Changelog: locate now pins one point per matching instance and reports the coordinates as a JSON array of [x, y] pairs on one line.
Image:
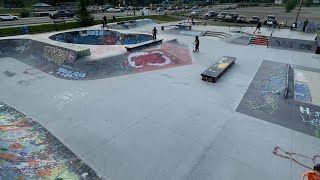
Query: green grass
[[33, 29], [15, 12]]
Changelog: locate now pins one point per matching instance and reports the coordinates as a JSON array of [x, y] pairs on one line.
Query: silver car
[[221, 15], [6, 17]]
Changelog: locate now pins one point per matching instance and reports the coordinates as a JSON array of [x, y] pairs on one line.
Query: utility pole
[[299, 10]]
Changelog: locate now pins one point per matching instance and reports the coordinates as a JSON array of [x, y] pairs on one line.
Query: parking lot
[[312, 13]]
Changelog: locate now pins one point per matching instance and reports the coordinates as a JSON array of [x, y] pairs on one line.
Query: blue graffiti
[[302, 92], [275, 83]]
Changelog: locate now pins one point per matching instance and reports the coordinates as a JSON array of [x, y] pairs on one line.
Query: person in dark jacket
[[104, 21], [258, 28], [196, 44], [305, 24], [154, 33]]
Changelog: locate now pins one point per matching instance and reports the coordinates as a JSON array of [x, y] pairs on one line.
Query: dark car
[[254, 19], [270, 18], [61, 14], [210, 14]]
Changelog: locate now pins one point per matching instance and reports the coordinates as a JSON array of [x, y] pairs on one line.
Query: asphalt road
[[43, 20]]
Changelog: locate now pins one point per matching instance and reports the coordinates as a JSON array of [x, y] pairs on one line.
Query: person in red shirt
[[312, 175]]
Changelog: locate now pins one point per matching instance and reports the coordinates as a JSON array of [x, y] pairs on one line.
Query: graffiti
[[155, 58], [290, 44], [294, 156], [312, 119], [56, 55], [22, 45], [28, 82], [70, 73], [62, 99], [302, 92], [266, 103], [275, 83], [9, 73], [91, 33], [193, 33], [84, 53], [134, 41], [29, 151]]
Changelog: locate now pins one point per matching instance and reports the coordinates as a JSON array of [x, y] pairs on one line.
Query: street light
[[299, 10]]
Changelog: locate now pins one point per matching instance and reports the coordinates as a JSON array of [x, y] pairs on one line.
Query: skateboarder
[[258, 28], [154, 33], [196, 44], [312, 175]]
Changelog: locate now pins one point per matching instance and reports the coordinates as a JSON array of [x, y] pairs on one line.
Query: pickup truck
[[61, 14]]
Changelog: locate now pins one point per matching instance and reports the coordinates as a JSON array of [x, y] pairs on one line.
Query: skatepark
[[79, 104]]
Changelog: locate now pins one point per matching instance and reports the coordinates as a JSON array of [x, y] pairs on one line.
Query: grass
[[34, 29], [15, 11]]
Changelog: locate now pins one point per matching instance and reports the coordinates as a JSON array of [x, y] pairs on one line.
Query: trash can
[[24, 30]]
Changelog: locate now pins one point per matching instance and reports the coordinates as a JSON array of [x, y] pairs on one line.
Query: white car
[[4, 17], [195, 13]]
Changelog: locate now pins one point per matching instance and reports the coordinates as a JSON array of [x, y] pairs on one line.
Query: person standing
[[258, 28], [312, 175], [196, 44], [114, 18], [305, 24], [105, 21], [154, 33]]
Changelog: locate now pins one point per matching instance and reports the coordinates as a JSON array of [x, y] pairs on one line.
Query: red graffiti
[[108, 40], [154, 58]]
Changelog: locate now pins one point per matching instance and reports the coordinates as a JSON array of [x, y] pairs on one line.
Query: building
[[278, 1]]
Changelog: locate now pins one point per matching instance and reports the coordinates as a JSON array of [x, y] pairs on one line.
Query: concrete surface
[[166, 124]]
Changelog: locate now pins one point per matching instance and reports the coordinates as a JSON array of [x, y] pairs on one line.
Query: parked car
[[241, 19], [270, 18], [210, 14], [177, 8], [195, 13], [231, 17], [61, 14], [159, 9], [195, 7], [187, 7], [221, 15], [6, 17], [254, 19]]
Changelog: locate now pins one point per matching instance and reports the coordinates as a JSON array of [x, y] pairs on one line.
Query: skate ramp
[[63, 63], [100, 37], [309, 46], [131, 24]]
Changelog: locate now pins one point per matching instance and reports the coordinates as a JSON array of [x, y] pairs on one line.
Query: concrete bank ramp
[[309, 46]]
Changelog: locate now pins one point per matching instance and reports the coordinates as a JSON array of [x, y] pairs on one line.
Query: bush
[[308, 3], [290, 5], [24, 13]]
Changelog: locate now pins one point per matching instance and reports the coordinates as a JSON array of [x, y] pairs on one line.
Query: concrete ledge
[[144, 44]]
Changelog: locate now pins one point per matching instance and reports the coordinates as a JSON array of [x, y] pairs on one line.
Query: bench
[[214, 72], [144, 44]]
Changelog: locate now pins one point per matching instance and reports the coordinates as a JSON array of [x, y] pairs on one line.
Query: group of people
[[105, 21], [196, 41]]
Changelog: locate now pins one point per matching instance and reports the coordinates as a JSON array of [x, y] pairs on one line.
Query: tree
[[86, 19], [308, 3], [290, 5]]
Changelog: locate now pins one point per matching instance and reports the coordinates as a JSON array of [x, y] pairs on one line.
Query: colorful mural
[[28, 151]]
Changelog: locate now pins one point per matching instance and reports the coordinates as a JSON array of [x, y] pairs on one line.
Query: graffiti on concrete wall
[[68, 72], [22, 45], [265, 103], [57, 55], [29, 151], [290, 44], [275, 82], [64, 98], [312, 118]]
